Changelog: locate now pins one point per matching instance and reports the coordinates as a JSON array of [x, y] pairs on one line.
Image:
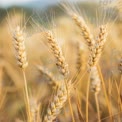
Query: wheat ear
[[60, 60], [84, 29], [96, 50], [58, 102], [20, 53]]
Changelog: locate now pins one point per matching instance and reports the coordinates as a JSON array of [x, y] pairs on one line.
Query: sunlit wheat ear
[[52, 81], [120, 66], [57, 103], [34, 108], [84, 29], [18, 40], [96, 50], [95, 80], [60, 60]]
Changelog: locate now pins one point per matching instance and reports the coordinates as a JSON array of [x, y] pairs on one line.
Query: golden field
[[73, 68]]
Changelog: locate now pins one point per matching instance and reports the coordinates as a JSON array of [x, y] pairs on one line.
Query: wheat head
[[18, 39], [84, 29], [58, 102], [96, 50], [60, 60]]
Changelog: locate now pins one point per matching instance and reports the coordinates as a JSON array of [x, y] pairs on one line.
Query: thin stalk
[[119, 102], [97, 106], [120, 84], [87, 101], [26, 97], [114, 115], [69, 101], [109, 95], [105, 93], [79, 107]]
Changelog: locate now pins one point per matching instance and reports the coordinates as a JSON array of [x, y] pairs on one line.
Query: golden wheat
[[96, 50], [58, 102], [88, 37], [61, 64], [18, 39]]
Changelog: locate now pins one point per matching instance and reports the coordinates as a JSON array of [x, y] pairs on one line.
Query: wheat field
[[63, 65]]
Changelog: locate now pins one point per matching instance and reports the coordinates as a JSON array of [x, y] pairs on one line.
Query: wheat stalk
[[1, 77], [20, 53], [35, 109]]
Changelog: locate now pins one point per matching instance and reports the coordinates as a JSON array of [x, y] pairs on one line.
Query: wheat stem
[[97, 105], [105, 93], [87, 100], [26, 97], [69, 101]]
